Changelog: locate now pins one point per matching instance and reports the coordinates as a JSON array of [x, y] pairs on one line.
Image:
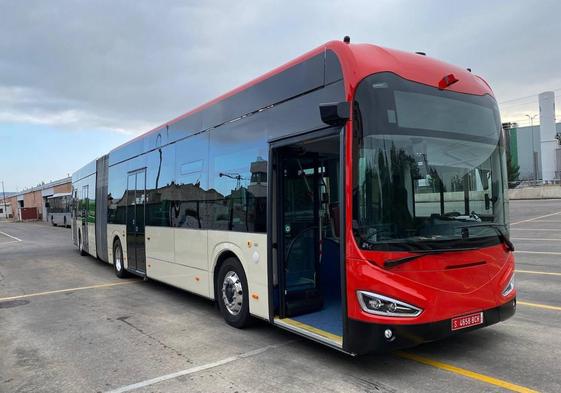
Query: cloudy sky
[[77, 78]]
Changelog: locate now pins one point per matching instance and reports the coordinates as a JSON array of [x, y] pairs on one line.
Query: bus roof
[[334, 60]]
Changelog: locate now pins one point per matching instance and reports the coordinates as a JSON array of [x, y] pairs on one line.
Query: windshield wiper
[[420, 254], [497, 227]]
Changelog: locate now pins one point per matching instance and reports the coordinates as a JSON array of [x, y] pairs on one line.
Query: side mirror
[[335, 113]]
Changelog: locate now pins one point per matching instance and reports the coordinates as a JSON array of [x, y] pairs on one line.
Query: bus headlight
[[374, 303], [509, 287]]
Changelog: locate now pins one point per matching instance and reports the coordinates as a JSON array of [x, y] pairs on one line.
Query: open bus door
[[308, 267]]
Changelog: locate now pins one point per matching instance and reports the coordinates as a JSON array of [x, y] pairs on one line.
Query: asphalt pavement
[[67, 324]]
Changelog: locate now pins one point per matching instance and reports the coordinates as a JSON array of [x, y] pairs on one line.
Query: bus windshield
[[428, 167]]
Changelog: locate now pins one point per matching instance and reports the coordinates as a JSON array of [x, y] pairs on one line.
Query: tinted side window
[[116, 198], [238, 176], [160, 186], [191, 189]]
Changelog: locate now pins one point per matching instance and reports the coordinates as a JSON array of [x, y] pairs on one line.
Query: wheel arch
[[113, 236], [115, 239], [222, 256]]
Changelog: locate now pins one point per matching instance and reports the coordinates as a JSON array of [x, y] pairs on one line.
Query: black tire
[[119, 265], [229, 288], [81, 245], [65, 222]]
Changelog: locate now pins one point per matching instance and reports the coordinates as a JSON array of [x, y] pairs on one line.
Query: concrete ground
[[148, 337]]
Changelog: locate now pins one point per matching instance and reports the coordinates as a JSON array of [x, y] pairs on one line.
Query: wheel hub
[[232, 293], [118, 259]]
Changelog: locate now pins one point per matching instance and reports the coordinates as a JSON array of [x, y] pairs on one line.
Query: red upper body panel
[[360, 60]]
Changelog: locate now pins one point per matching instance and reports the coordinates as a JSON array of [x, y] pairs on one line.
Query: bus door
[[305, 236], [136, 199], [84, 212], [74, 210]]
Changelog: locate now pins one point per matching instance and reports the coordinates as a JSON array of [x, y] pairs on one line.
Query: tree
[[513, 171]]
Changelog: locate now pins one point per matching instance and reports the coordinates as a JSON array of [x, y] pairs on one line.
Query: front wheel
[[232, 294], [118, 263]]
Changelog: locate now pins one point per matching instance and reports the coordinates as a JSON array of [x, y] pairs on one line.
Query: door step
[[310, 331], [138, 273]]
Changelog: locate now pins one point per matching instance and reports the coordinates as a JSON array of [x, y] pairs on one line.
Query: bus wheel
[[232, 294], [81, 244], [65, 222], [118, 263]]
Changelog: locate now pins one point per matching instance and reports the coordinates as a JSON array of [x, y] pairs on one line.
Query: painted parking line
[[544, 306], [536, 239], [11, 237], [10, 242], [535, 218], [466, 373], [537, 252], [536, 272], [197, 369], [549, 221], [535, 229], [111, 284]]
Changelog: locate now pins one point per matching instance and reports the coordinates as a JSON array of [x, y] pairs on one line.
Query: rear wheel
[[118, 262], [232, 294], [81, 244]]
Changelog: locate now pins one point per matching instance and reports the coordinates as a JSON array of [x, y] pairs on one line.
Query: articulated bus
[[58, 209], [355, 196]]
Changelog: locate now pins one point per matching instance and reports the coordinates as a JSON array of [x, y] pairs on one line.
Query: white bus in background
[[58, 209]]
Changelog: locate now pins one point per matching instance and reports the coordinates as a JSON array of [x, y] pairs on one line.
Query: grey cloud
[[129, 65]]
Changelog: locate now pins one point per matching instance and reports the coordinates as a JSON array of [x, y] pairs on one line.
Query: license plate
[[467, 321]]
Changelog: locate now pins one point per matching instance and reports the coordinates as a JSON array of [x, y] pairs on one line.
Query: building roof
[[44, 186]]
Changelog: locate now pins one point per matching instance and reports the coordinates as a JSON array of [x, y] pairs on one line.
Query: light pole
[[4, 198], [534, 161]]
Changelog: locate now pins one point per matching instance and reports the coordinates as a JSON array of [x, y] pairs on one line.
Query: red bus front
[[427, 251]]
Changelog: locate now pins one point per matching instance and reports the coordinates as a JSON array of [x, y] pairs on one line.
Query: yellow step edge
[[311, 329]]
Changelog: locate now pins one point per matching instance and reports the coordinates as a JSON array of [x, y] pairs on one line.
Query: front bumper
[[365, 337]]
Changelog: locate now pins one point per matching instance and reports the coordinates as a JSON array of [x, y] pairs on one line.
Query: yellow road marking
[[112, 284], [535, 272], [466, 373], [546, 306], [323, 333]]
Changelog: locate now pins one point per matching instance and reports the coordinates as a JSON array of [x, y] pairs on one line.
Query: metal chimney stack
[[547, 135]]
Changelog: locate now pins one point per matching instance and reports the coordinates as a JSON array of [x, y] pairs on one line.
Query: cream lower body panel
[[187, 258], [180, 276], [177, 256], [191, 248], [91, 239]]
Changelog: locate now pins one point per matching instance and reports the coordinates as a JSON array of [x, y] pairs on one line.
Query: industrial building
[[535, 149], [30, 204]]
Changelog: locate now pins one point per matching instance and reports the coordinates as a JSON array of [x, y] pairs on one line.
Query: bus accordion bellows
[[355, 196]]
